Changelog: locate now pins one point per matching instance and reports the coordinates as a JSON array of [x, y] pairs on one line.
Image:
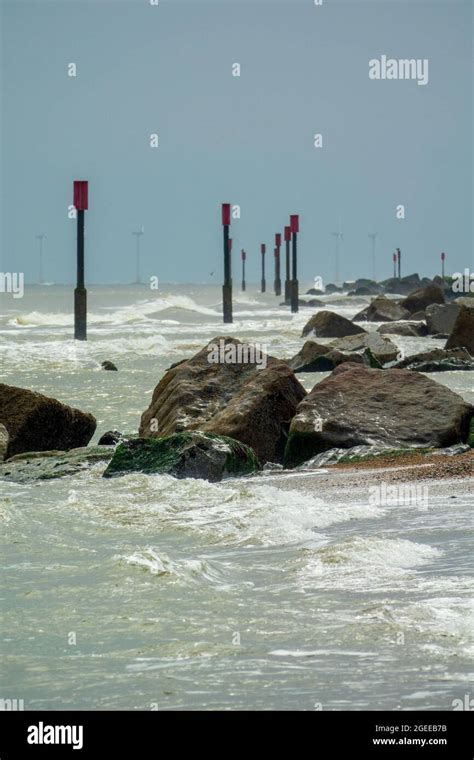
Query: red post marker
[[263, 249], [294, 228], [443, 259], [227, 287], [81, 203], [287, 236]]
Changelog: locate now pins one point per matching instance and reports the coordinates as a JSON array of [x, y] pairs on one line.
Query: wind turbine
[[138, 234], [40, 237], [372, 236]]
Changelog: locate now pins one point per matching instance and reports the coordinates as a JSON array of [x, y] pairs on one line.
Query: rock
[[252, 405], [314, 292], [404, 286], [408, 329], [3, 442], [462, 334], [314, 357], [369, 359], [110, 438], [440, 336], [301, 302], [259, 414], [49, 465], [440, 318], [444, 365], [328, 324], [381, 347], [382, 309], [470, 438], [357, 406], [184, 455], [418, 316], [39, 423], [331, 288], [465, 301], [110, 366], [435, 355], [420, 299]]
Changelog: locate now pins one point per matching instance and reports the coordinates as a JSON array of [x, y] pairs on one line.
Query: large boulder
[[420, 299], [440, 318], [184, 455], [315, 357], [462, 334], [328, 324], [357, 406], [382, 309], [39, 423], [35, 466], [227, 394], [407, 329], [381, 347]]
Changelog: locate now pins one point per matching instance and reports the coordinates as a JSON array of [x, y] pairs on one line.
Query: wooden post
[[399, 258], [244, 256], [227, 287], [81, 203], [394, 264], [287, 263], [443, 259], [294, 228], [263, 248], [277, 284]]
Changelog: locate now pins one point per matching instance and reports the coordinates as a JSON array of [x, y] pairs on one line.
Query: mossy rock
[[184, 455], [49, 465]]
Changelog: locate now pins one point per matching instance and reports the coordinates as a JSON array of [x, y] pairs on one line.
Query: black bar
[[263, 284], [227, 288], [287, 272], [80, 293], [277, 283], [294, 275]]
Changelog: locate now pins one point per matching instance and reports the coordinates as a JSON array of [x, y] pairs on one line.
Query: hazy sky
[[247, 140]]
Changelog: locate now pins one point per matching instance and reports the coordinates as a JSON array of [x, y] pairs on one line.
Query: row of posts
[[291, 264], [81, 203]]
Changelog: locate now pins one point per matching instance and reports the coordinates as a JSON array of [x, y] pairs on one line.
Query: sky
[[167, 69]]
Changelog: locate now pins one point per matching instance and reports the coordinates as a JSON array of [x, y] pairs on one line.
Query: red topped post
[[294, 229], [81, 203], [287, 237], [227, 287]]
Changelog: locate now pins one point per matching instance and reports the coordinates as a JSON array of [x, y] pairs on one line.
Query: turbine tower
[[40, 237], [138, 234]]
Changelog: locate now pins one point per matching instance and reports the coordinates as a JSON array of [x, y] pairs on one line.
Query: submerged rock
[[328, 324], [49, 465], [39, 423], [109, 366], [184, 455], [110, 438], [462, 334], [357, 406], [435, 356]]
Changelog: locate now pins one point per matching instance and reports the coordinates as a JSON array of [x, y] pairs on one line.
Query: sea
[[268, 592]]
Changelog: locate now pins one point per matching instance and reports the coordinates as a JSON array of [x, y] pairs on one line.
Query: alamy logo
[[42, 734], [405, 495], [12, 282], [463, 283], [237, 353], [11, 705], [463, 704], [403, 68]]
